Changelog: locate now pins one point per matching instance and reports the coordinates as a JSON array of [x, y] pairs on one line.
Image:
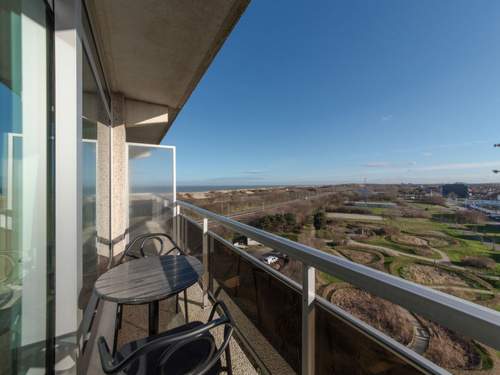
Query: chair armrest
[[225, 310], [107, 361], [175, 246]]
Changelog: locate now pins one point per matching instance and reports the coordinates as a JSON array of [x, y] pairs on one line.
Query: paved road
[[445, 259], [421, 337], [391, 252]]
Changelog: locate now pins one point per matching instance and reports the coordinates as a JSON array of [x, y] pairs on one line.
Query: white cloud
[[386, 117], [385, 164], [377, 164], [432, 167], [254, 171], [455, 166], [427, 154]]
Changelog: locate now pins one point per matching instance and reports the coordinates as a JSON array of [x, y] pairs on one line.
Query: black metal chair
[[188, 349], [130, 252], [129, 249]]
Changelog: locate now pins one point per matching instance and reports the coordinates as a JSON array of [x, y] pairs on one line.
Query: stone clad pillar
[[102, 193], [119, 177]]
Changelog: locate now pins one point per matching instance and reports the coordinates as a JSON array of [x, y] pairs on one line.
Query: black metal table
[[149, 280]]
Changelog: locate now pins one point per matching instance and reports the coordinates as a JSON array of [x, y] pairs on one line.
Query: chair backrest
[[136, 248], [167, 347], [87, 320], [168, 361]]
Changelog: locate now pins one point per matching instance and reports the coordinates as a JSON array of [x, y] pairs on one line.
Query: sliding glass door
[[26, 188]]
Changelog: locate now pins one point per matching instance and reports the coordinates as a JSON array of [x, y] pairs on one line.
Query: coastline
[[223, 188]]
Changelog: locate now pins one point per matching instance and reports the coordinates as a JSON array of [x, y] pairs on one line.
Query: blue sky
[[343, 91]]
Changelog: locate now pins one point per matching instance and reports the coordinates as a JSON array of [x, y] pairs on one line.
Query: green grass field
[[459, 246], [378, 211], [430, 208], [382, 241]]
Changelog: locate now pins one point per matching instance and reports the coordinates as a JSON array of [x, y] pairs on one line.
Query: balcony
[[279, 328], [90, 88]]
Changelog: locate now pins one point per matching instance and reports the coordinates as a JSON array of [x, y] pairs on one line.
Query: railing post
[[308, 318], [177, 222], [174, 218], [184, 234], [174, 222], [205, 263]]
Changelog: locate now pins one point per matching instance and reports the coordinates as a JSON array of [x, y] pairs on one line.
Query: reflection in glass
[[95, 184], [193, 236], [265, 309], [150, 174], [338, 342], [26, 187]]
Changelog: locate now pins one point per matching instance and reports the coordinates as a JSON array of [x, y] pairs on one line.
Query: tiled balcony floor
[[135, 324]]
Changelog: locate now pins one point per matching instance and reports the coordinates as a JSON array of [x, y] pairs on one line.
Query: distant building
[[458, 189]]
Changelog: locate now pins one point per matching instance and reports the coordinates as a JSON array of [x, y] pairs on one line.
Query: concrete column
[[119, 176], [103, 170]]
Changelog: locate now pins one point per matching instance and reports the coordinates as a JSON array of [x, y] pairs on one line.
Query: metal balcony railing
[[309, 333]]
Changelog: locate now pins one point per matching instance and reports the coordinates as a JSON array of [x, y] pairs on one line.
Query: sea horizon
[[205, 188]]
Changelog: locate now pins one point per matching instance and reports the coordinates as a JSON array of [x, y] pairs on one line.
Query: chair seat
[[181, 362]]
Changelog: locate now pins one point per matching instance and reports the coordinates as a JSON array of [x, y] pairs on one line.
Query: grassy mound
[[387, 317]]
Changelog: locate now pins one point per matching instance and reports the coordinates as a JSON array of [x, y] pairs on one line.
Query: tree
[[470, 217], [265, 223], [290, 220], [319, 220], [436, 200]]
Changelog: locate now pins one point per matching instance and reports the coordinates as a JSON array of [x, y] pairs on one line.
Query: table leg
[[154, 310]]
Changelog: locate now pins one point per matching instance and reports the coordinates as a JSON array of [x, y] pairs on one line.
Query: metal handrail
[[466, 318], [382, 339], [389, 343]]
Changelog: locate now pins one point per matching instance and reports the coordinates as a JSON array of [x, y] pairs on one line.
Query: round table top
[[148, 279]]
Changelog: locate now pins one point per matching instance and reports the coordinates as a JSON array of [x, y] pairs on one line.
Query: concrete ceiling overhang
[[156, 52]]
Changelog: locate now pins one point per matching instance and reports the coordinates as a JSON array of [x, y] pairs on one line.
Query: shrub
[[388, 231], [479, 262], [277, 223], [462, 217], [470, 217], [349, 210], [319, 220], [436, 200]]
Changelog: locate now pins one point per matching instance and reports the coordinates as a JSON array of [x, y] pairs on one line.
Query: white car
[[270, 259]]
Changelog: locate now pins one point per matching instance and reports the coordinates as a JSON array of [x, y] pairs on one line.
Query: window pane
[[96, 239], [150, 175], [26, 219], [338, 343], [266, 310]]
